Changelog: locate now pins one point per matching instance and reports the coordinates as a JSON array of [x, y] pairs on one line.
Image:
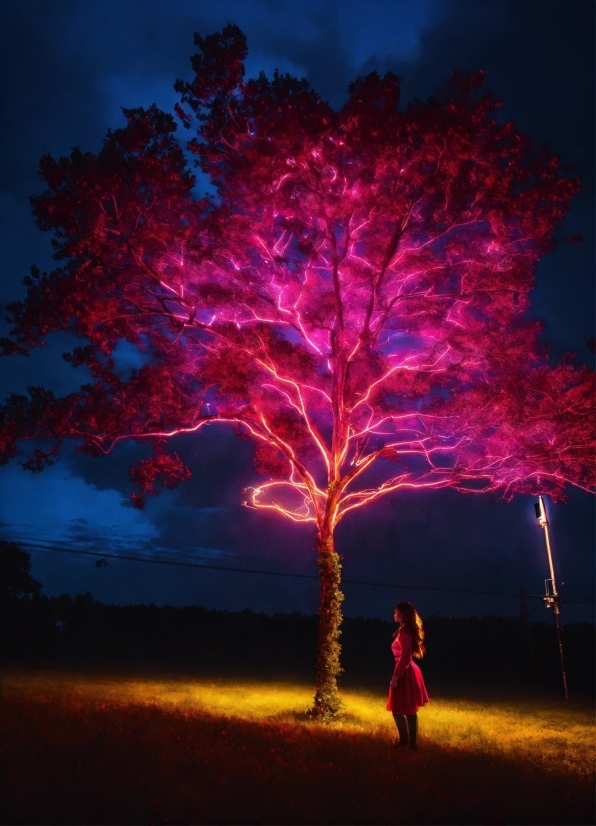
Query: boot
[[402, 728], [413, 730]]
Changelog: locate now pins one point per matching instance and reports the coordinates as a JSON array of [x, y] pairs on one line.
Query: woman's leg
[[413, 729], [402, 728]]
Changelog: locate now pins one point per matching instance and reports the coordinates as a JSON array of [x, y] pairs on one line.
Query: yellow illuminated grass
[[99, 749], [545, 733]]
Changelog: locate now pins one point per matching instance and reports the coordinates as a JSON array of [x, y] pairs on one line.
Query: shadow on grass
[[67, 758]]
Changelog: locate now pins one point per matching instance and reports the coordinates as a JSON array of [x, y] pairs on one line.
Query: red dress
[[410, 693]]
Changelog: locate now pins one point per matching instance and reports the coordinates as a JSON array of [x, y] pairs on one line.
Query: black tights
[[407, 727]]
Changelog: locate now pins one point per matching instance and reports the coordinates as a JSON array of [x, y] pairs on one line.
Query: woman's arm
[[405, 658]]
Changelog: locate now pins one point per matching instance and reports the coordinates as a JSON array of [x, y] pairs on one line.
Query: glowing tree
[[353, 298]]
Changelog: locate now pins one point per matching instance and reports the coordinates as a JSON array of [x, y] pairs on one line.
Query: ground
[[100, 748]]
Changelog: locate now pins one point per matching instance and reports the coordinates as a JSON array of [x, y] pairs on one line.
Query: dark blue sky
[[66, 68]]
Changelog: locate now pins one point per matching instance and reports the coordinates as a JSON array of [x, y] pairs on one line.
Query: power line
[[157, 561]]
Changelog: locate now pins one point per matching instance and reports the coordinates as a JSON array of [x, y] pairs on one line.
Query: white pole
[[544, 523], [554, 599]]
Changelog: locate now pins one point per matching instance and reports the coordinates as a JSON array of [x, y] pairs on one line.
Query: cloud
[[42, 507]]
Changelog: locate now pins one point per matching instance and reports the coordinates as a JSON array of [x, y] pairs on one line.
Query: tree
[[353, 298], [16, 581]]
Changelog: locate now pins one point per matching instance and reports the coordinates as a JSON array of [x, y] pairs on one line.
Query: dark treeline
[[84, 633]]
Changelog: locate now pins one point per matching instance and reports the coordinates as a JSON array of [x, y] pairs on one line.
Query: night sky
[[66, 68]]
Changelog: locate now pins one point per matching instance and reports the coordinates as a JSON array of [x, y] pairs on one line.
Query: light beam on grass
[[538, 731]]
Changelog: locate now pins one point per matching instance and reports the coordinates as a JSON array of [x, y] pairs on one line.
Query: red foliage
[[354, 297], [168, 468]]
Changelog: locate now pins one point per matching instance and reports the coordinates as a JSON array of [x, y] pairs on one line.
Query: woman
[[407, 692]]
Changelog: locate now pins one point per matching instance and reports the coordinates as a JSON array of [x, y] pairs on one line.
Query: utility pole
[[523, 610], [551, 597]]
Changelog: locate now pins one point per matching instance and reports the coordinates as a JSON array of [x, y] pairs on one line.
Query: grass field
[[78, 748]]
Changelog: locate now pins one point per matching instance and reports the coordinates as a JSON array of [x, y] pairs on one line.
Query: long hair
[[412, 624]]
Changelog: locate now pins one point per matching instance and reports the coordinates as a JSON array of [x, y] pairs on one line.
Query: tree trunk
[[327, 702]]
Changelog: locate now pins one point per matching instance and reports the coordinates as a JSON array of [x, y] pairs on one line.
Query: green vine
[[327, 703]]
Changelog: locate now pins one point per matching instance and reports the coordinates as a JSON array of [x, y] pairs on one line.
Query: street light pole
[[551, 598]]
